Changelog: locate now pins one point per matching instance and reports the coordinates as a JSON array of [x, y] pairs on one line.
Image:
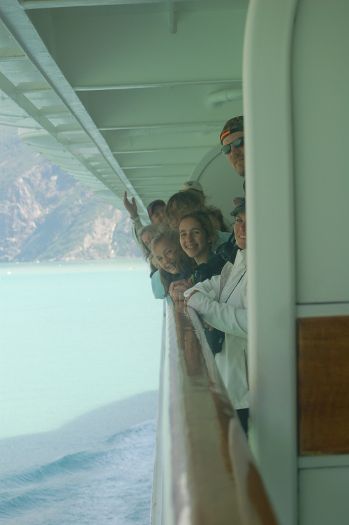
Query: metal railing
[[204, 472]]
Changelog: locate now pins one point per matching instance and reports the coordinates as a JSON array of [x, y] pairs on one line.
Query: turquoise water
[[74, 337]]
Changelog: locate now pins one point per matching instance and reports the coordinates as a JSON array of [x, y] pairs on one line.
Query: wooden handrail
[[204, 469]]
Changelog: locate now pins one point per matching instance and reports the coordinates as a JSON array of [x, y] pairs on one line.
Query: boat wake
[[107, 483]]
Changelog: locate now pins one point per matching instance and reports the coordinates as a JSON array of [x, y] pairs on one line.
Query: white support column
[[271, 252]]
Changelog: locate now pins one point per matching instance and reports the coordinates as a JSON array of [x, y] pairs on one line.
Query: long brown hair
[[183, 262], [203, 219]]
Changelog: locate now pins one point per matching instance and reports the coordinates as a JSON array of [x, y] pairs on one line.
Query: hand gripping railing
[[204, 472]]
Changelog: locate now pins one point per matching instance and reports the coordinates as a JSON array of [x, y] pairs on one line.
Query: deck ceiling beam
[[15, 124], [187, 126], [119, 87], [32, 111], [159, 166], [156, 138], [63, 4], [11, 56], [156, 150], [59, 4], [33, 87]]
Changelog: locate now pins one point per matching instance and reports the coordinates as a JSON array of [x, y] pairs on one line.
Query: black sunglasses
[[237, 143]]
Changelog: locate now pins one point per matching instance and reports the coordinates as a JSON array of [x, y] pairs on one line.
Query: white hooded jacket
[[222, 302]]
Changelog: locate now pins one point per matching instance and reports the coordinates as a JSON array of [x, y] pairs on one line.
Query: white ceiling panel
[[132, 94]]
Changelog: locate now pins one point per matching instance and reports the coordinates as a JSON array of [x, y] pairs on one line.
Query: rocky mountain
[[46, 215]]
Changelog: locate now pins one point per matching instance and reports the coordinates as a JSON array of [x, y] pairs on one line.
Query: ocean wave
[[28, 500], [109, 483], [67, 464], [135, 430], [82, 460]]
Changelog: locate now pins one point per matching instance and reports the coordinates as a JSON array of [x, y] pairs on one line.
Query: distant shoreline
[[118, 415], [130, 263]]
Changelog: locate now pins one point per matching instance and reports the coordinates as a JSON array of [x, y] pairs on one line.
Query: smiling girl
[[173, 263], [196, 236]]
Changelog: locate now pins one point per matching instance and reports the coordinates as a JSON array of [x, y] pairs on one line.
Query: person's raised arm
[[131, 206]]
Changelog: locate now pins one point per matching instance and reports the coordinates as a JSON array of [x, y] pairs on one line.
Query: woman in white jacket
[[222, 303]]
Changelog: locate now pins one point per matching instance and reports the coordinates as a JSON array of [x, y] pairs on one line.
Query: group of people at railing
[[194, 258]]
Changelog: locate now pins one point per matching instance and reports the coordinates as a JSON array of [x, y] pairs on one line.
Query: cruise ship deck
[[130, 95]]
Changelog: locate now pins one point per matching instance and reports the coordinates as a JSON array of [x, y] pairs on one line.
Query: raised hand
[[131, 206]]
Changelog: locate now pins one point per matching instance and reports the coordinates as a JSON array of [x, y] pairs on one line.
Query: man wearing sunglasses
[[232, 140]]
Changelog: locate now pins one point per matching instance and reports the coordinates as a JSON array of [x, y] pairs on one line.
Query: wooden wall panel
[[323, 385]]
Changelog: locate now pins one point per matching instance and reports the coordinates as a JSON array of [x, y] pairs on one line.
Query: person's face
[[194, 240], [236, 157], [158, 215], [240, 230], [166, 256], [146, 238]]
